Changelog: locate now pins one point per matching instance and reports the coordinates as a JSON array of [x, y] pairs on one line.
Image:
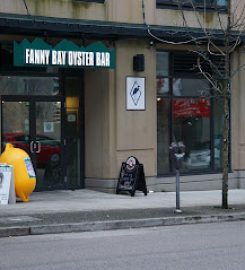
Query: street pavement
[[64, 211]]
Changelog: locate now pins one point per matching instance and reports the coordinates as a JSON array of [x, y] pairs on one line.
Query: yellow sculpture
[[24, 174]]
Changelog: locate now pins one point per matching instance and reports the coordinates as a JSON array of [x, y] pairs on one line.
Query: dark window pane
[[95, 1], [15, 130], [218, 132], [190, 87], [222, 3], [17, 85], [191, 124], [162, 71], [189, 113], [162, 86], [189, 3], [162, 135], [162, 64]]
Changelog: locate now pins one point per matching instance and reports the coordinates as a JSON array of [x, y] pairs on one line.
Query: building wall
[[136, 130], [238, 111], [97, 123], [237, 117], [55, 8], [100, 119], [111, 132], [126, 11]]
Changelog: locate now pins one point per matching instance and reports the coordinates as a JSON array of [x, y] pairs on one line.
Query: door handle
[[38, 150], [32, 143], [35, 147]]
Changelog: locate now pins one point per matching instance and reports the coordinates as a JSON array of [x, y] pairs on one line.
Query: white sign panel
[[48, 127], [7, 193], [135, 93]]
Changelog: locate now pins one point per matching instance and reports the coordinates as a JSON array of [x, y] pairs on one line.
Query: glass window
[[162, 86], [190, 87], [162, 64], [218, 132], [95, 1], [222, 3], [191, 125], [17, 85], [73, 125], [163, 135], [211, 4], [189, 113], [162, 71]]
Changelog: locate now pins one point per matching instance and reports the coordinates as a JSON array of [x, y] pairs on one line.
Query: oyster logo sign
[[135, 93], [64, 54]]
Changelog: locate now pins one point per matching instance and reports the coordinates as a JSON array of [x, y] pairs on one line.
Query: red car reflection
[[49, 148]]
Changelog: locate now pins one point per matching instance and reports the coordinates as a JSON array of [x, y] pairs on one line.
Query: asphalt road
[[218, 246]]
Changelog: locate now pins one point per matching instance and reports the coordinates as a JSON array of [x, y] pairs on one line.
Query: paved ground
[[87, 210]]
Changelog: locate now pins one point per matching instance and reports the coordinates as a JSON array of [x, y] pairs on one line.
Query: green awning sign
[[64, 55]]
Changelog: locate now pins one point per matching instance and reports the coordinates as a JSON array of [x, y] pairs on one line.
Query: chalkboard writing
[[131, 177]]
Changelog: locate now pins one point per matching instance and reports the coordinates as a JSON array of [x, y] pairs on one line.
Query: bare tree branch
[[207, 76], [214, 60], [238, 70], [236, 21], [232, 48], [188, 41], [217, 49]]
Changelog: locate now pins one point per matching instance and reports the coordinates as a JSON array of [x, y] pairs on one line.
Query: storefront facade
[[40, 112], [66, 96]]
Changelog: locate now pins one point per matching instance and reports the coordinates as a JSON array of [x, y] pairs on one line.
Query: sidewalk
[[87, 210]]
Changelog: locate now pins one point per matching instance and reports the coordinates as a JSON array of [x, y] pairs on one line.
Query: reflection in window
[[163, 135], [162, 71], [16, 130], [16, 85], [162, 86], [190, 87], [188, 112], [218, 133], [221, 3], [209, 4], [162, 64], [191, 124]]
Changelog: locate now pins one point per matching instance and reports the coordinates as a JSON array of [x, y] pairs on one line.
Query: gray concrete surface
[[216, 246], [86, 210]]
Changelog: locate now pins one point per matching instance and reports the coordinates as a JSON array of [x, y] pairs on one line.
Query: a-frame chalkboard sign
[[131, 177]]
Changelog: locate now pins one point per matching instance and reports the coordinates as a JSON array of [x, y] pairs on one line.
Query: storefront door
[[35, 125]]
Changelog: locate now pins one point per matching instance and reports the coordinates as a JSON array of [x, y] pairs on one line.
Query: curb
[[14, 231], [116, 224]]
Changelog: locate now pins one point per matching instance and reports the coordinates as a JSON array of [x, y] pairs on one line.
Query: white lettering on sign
[[40, 57], [90, 59], [80, 58], [71, 58], [102, 59], [59, 58]]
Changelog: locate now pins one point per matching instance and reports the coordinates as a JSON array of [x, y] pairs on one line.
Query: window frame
[[173, 4], [171, 97], [91, 1]]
